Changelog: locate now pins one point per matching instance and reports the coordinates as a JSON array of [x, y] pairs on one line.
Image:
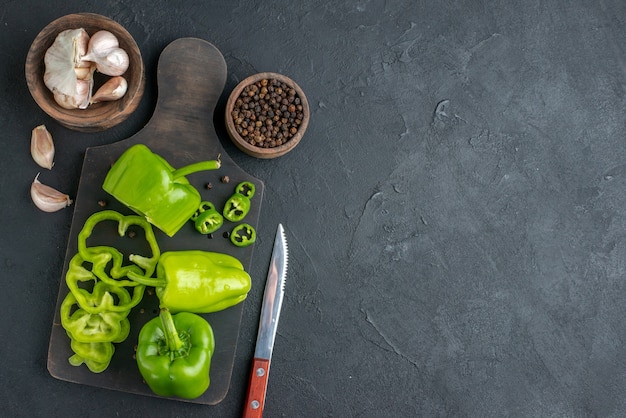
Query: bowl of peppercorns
[[266, 115]]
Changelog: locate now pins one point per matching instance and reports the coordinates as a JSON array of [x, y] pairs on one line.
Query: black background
[[455, 212]]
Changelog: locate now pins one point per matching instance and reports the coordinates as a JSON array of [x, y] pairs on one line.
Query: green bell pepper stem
[[174, 354], [172, 339], [196, 167], [198, 281]]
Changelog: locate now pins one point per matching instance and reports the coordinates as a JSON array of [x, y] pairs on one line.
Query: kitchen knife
[[270, 311]]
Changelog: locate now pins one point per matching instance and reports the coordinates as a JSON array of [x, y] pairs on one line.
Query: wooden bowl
[[254, 149], [98, 116]]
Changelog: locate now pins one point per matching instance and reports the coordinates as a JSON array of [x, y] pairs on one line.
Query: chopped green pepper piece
[[150, 186], [86, 327], [243, 235], [100, 256], [198, 281], [207, 219], [246, 188], [95, 319], [238, 205], [174, 354], [100, 299], [96, 356]]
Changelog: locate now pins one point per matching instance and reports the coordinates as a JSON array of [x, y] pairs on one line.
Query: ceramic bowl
[[98, 116], [254, 149]]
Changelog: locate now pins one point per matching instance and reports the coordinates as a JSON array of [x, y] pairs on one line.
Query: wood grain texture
[[255, 400]]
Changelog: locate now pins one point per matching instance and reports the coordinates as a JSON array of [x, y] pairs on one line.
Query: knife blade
[[268, 323]]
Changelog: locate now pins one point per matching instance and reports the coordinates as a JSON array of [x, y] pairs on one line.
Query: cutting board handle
[[191, 76]]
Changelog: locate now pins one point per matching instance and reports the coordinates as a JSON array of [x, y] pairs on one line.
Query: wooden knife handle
[[255, 400]]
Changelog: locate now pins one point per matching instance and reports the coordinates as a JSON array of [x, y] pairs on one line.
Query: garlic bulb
[[42, 147], [103, 49], [71, 62], [113, 89], [62, 58], [46, 198]]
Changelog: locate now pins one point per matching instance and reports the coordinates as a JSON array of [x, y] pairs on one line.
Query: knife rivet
[[260, 371], [255, 404]]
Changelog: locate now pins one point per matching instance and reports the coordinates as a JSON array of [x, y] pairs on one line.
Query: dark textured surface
[[455, 212]]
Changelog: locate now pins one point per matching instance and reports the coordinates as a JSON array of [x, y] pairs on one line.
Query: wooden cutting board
[[191, 78]]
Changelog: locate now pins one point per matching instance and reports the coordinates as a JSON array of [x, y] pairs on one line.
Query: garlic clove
[[101, 42], [83, 92], [85, 72], [80, 99], [46, 198], [42, 147], [116, 62], [113, 89], [62, 57]]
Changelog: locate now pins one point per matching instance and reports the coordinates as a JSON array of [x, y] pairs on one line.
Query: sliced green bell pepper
[[238, 205], [94, 312], [101, 256], [207, 219], [96, 356], [86, 327], [105, 296], [198, 281], [174, 354], [150, 186], [243, 235], [92, 335]]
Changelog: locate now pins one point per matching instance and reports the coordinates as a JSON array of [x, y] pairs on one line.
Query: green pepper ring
[[243, 235], [245, 188], [204, 207], [209, 221]]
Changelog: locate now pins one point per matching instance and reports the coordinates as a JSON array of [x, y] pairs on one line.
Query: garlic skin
[[46, 198], [113, 89], [62, 58], [103, 49], [42, 147]]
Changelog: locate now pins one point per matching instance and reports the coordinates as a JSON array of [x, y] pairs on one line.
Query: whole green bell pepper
[[150, 186], [174, 354], [198, 281]]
